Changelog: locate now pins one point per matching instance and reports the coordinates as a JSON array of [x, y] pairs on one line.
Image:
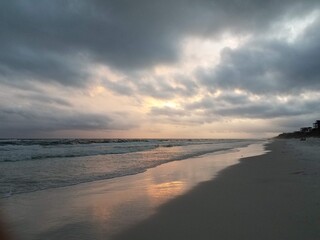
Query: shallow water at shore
[[100, 209], [272, 196], [32, 165]]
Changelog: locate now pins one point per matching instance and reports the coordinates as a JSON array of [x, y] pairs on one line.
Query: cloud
[[30, 121], [54, 48], [269, 66], [146, 84], [167, 87], [167, 111], [44, 40], [245, 105], [36, 97], [21, 64]]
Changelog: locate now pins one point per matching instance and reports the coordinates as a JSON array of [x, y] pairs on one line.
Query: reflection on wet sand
[[137, 197], [159, 193], [103, 208]]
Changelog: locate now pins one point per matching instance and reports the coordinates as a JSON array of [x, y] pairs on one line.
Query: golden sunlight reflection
[[121, 202], [158, 193], [133, 201], [110, 206]]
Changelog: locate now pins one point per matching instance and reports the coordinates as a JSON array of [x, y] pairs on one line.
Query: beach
[[102, 209], [273, 196], [254, 192], [170, 120]]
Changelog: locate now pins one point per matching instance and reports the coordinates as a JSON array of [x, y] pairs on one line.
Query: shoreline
[[105, 171], [272, 196], [101, 209]]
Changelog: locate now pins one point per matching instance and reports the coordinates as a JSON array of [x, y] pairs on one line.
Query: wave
[[81, 141], [13, 150], [68, 154], [38, 167], [54, 142], [32, 185]]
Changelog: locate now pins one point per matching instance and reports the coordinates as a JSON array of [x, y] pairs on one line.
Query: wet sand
[[275, 196], [102, 209]]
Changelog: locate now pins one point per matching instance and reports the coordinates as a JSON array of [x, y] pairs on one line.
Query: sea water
[[28, 165]]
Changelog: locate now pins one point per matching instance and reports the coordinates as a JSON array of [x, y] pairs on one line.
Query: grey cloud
[[234, 99], [293, 124], [17, 121], [269, 66], [160, 87], [261, 111], [122, 87], [18, 63], [168, 111], [44, 99], [179, 117], [128, 35], [223, 100], [267, 107], [204, 103], [58, 41], [157, 87]]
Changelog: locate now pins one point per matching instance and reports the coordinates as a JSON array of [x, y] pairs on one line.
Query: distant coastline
[[304, 132]]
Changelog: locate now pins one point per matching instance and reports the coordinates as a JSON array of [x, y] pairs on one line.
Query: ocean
[[28, 165]]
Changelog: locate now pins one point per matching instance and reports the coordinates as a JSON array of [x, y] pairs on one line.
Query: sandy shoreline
[[274, 196], [102, 209]]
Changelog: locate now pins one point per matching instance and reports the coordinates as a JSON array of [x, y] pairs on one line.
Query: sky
[[158, 69]]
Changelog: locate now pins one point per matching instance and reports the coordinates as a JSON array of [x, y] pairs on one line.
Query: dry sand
[[275, 196]]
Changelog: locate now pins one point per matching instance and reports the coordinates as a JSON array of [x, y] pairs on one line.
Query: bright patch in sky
[[292, 28], [213, 69]]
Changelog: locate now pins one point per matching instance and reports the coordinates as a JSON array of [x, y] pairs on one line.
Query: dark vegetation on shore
[[304, 132]]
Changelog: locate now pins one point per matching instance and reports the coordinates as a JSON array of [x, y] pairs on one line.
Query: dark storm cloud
[[241, 106], [225, 99], [59, 42], [270, 66], [35, 98], [261, 111], [18, 63], [294, 124], [40, 39], [33, 120]]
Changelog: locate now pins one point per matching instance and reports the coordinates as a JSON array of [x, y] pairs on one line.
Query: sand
[[275, 196], [101, 209]]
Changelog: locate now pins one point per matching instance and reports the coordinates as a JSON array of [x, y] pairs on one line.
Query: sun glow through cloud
[[199, 52], [293, 28], [193, 70]]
